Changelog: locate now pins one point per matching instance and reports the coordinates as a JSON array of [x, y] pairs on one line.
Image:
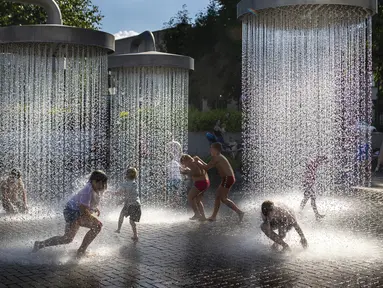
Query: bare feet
[[240, 215], [117, 231], [36, 246], [195, 217], [80, 253], [274, 247], [202, 219], [211, 219], [319, 216], [286, 248], [135, 238]]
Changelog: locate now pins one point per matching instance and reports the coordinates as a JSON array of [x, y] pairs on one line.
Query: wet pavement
[[345, 249]]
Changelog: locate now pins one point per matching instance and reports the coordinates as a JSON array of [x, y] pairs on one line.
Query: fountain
[[53, 86], [149, 111], [306, 90]]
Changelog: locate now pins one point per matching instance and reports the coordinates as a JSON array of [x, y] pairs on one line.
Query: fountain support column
[[148, 113], [306, 91]]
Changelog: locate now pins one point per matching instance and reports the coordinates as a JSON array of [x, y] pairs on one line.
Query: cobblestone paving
[[345, 250]]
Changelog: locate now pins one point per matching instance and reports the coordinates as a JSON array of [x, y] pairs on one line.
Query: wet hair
[[185, 157], [217, 146], [131, 173], [267, 207], [16, 173], [98, 176]]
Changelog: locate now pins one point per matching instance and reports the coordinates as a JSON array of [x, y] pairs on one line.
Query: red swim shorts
[[227, 181], [202, 185]]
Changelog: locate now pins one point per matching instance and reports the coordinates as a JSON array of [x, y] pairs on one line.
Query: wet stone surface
[[345, 249]]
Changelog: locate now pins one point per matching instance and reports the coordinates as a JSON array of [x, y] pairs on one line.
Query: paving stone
[[190, 254]]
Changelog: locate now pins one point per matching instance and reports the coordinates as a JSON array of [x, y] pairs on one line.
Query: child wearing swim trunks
[[132, 204], [78, 213], [201, 184], [226, 172]]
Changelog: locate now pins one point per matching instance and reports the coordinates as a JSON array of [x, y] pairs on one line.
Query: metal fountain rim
[[59, 34], [151, 59], [244, 5]]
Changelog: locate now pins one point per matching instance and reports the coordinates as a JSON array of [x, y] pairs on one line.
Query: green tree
[[76, 13], [214, 41]]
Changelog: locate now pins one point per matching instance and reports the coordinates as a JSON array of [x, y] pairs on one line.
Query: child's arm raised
[[208, 166], [199, 159]]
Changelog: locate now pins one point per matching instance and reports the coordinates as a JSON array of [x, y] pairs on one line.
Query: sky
[[125, 18]]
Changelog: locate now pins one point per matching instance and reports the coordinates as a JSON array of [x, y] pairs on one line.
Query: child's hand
[[304, 243]]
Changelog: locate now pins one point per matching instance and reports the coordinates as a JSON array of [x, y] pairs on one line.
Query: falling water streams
[[52, 115], [148, 112], [306, 86]]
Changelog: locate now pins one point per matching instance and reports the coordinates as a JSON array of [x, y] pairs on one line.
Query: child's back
[[130, 191]]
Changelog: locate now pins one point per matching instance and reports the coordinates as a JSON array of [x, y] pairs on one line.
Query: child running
[[309, 181], [132, 206], [201, 184], [226, 172], [14, 197], [78, 213], [282, 219]]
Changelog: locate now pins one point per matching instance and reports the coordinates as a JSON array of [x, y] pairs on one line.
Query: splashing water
[[148, 112], [306, 85], [52, 116]]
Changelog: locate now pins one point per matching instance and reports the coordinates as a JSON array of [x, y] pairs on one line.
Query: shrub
[[205, 121]]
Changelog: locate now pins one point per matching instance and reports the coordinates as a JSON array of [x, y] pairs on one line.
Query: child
[[14, 196], [174, 180], [308, 183], [78, 213], [201, 184], [226, 172], [282, 219], [132, 206]]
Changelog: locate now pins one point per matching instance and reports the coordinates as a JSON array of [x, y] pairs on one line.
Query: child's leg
[[193, 203], [134, 228], [121, 220], [71, 230], [95, 227], [223, 194], [304, 201], [314, 206], [200, 206], [217, 204], [7, 205]]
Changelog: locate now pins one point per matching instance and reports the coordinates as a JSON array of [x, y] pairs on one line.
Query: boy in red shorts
[[201, 184], [226, 172]]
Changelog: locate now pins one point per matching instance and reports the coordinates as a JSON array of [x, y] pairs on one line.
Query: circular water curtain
[[53, 84], [306, 92], [149, 115]]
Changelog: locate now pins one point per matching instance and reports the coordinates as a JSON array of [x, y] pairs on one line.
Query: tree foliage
[[76, 13], [214, 41]]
